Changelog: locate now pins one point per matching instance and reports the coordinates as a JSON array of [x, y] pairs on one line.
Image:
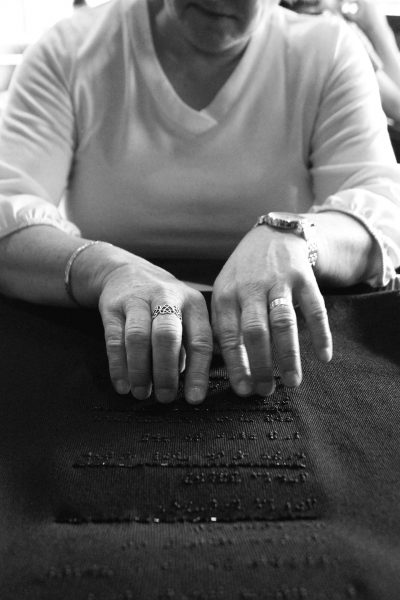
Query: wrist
[[348, 253], [88, 267], [302, 225]]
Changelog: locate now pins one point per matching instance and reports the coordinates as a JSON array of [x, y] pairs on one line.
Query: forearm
[[390, 95], [384, 42], [33, 260], [347, 252]]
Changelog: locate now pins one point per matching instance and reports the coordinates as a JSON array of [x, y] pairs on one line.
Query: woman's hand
[[145, 352], [267, 267]]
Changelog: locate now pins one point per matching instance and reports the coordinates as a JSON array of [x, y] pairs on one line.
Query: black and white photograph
[[199, 300]]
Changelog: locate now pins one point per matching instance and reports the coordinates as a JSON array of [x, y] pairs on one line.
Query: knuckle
[[200, 345], [282, 320], [139, 376], [198, 378], [254, 330], [166, 335], [136, 334], [318, 313], [114, 344], [116, 371], [223, 297], [112, 302], [107, 305], [289, 355], [228, 341]]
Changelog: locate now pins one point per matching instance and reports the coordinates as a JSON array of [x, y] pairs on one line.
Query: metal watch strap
[[308, 233], [304, 227]]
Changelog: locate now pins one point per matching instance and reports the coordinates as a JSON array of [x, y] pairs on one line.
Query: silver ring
[[166, 309], [279, 302]]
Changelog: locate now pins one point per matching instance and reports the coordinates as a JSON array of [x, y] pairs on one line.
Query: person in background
[[371, 25], [229, 131]]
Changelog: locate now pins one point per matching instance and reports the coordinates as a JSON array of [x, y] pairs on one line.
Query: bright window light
[[22, 21], [390, 7]]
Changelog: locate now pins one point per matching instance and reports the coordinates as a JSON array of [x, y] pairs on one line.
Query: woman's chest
[[202, 192]]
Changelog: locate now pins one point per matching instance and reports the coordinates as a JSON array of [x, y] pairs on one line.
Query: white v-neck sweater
[[96, 141]]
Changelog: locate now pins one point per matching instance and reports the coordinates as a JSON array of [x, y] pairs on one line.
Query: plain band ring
[[279, 302], [166, 309]]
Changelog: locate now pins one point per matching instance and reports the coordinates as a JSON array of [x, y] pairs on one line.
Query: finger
[[199, 345], [283, 323], [114, 328], [256, 336], [166, 342], [138, 347], [313, 308], [227, 328]]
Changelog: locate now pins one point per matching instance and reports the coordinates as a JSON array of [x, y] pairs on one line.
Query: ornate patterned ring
[[166, 309]]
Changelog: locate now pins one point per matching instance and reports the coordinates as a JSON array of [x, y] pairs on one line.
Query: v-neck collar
[[170, 103]]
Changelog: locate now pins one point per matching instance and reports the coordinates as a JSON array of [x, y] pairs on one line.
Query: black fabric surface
[[291, 497]]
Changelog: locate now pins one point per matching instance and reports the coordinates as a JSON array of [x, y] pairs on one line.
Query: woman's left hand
[[252, 308]]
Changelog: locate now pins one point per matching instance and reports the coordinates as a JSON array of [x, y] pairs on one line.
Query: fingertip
[[243, 388], [196, 395], [141, 392], [265, 388], [291, 378], [325, 355], [165, 396], [122, 387]]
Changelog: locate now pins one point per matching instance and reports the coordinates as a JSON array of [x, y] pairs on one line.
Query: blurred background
[[21, 23]]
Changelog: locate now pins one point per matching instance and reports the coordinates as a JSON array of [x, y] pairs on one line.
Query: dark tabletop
[[291, 497]]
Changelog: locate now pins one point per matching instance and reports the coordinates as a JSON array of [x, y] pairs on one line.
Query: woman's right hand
[[143, 352]]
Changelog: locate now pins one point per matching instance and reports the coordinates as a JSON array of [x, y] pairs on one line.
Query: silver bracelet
[[68, 267]]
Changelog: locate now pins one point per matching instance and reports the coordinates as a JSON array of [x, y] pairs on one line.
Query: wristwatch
[[299, 224]]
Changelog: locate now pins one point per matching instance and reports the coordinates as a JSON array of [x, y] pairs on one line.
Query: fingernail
[[165, 396], [122, 386], [265, 388], [141, 393], [244, 388], [195, 395], [291, 378]]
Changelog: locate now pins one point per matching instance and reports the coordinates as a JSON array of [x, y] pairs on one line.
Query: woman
[[170, 126]]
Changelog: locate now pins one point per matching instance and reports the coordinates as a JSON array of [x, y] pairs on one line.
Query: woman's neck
[[196, 75]]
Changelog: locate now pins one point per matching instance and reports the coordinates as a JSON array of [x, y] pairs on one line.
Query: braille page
[[228, 459]]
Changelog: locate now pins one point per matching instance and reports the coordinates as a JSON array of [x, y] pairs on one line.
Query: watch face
[[283, 220]]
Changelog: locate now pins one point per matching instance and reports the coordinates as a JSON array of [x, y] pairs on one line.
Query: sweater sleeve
[[37, 139], [353, 167]]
